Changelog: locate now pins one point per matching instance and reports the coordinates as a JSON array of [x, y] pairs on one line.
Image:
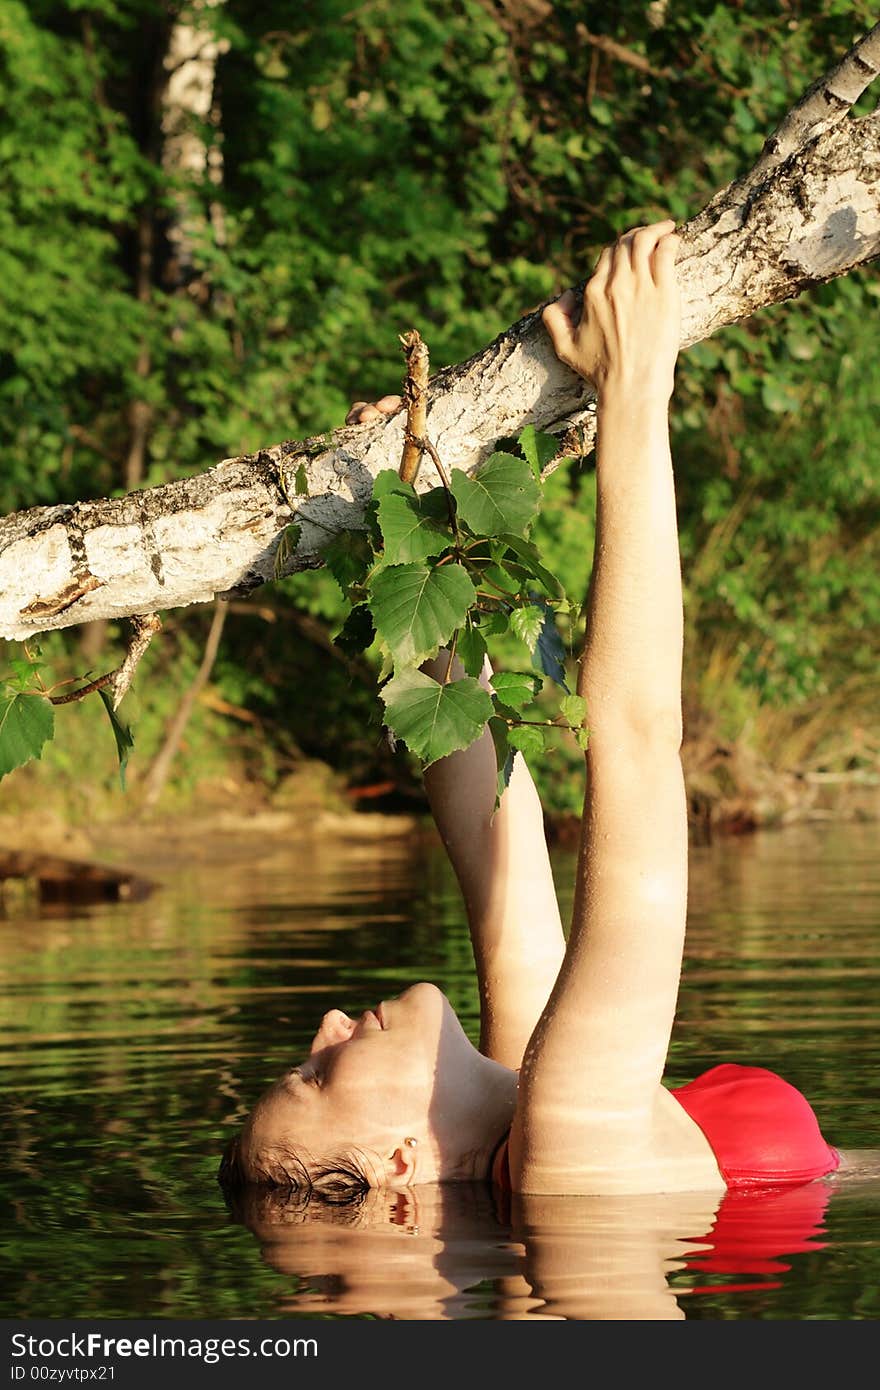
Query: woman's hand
[[627, 331], [364, 413]]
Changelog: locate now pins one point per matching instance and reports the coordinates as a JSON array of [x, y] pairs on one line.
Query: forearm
[[628, 917], [630, 672]]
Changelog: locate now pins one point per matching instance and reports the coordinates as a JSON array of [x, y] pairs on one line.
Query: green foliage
[[121, 733], [527, 623], [27, 720], [412, 526], [416, 608], [443, 571], [502, 496], [514, 688], [435, 718]]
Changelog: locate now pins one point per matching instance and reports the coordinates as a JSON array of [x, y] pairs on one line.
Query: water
[[134, 1036]]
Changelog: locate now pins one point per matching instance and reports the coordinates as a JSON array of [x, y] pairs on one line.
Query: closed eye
[[308, 1075]]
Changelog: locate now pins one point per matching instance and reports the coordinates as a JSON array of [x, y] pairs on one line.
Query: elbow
[[643, 733], [663, 728]]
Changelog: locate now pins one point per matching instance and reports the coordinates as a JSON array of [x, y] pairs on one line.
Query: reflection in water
[[448, 1252], [135, 1036], [414, 1255]]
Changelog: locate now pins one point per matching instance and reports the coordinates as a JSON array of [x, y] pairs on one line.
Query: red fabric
[[761, 1129]]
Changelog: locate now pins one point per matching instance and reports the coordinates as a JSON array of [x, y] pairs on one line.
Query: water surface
[[134, 1037]]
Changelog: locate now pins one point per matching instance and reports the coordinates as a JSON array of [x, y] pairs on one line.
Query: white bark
[[188, 98], [809, 211]]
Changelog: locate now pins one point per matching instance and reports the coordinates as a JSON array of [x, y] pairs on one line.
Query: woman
[[565, 1094]]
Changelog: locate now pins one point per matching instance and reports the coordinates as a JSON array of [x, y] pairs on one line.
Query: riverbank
[[229, 819]]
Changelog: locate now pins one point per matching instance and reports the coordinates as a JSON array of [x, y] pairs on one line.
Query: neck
[[496, 1114]]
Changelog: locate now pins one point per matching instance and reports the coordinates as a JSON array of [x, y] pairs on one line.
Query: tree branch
[[808, 212], [823, 105]]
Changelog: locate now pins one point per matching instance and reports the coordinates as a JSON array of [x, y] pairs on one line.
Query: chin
[[424, 998], [423, 990], [429, 1004]]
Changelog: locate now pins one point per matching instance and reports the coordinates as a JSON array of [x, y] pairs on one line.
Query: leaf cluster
[[435, 577]]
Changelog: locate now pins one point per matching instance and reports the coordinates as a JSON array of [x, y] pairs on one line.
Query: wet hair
[[337, 1181]]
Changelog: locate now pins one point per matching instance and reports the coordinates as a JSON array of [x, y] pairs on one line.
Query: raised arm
[[587, 1116]]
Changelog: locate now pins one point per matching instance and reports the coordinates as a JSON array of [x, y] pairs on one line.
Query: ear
[[400, 1168]]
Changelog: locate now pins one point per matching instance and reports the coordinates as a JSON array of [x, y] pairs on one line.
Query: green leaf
[[582, 738], [433, 719], [495, 623], [497, 577], [386, 664], [357, 632], [348, 557], [388, 483], [417, 609], [471, 649], [501, 577], [411, 528], [514, 688], [549, 653], [122, 733], [529, 554], [26, 722], [573, 708], [499, 730], [301, 481], [25, 671], [502, 496], [528, 739], [527, 623], [538, 448], [287, 543]]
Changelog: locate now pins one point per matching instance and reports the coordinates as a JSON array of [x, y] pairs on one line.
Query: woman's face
[[369, 1083]]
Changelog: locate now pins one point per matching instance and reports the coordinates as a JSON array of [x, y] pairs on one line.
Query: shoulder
[[660, 1150]]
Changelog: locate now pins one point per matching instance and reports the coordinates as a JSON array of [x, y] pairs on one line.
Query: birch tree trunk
[[188, 98], [807, 212]]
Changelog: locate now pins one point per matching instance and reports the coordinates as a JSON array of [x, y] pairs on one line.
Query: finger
[[604, 263], [623, 249], [388, 404], [354, 410], [645, 242], [596, 285], [368, 413], [664, 258], [559, 320], [569, 305], [621, 261]]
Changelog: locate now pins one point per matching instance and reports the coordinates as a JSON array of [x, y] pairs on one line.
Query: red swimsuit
[[761, 1129]]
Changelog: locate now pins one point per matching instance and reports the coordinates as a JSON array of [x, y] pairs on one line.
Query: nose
[[336, 1027]]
